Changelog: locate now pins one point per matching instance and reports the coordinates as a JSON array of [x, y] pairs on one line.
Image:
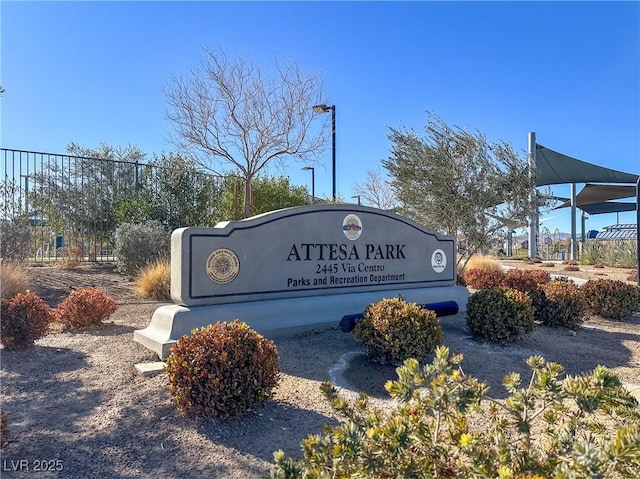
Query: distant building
[[618, 232]]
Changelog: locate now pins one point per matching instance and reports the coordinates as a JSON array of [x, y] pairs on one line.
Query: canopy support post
[[533, 220], [574, 242]]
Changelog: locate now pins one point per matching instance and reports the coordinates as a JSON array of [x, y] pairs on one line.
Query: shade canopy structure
[[592, 194], [595, 199], [607, 207], [554, 168]]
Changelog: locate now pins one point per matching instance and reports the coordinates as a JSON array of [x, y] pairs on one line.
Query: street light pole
[[313, 182], [322, 108]]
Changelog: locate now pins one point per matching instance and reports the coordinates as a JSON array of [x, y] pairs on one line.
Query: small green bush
[[85, 307], [547, 427], [481, 278], [138, 245], [565, 306], [393, 330], [500, 315], [23, 319], [611, 298], [222, 370]]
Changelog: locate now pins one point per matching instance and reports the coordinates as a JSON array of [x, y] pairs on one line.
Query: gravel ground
[[75, 402]]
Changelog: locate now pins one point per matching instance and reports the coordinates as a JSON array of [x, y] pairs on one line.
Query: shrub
[[478, 278], [70, 257], [4, 431], [633, 276], [393, 330], [16, 244], [14, 279], [547, 265], [437, 428], [500, 315], [565, 306], [138, 245], [570, 262], [530, 282], [525, 280], [611, 298], [571, 267], [24, 318], [154, 281], [222, 370], [85, 307]]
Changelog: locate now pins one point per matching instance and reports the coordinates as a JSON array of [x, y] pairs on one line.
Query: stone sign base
[[279, 317]]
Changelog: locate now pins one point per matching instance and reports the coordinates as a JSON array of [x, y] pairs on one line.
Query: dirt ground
[[75, 401]]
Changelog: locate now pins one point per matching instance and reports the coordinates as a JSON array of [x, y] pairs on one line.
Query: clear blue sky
[[93, 72]]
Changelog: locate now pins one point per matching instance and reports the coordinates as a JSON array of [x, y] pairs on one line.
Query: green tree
[[452, 179], [81, 190], [171, 190], [230, 111], [268, 194]]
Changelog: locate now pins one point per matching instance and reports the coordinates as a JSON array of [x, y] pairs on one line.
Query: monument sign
[[298, 268]]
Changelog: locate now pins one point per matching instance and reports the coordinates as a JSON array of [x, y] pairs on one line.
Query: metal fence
[[54, 204]]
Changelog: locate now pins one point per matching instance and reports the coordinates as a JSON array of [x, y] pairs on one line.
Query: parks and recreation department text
[[332, 280]]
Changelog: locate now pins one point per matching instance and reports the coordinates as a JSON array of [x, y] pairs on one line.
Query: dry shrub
[[154, 281], [483, 262], [547, 265], [14, 279], [70, 257], [85, 307], [599, 266], [571, 267], [570, 262], [25, 318], [633, 276], [480, 278]]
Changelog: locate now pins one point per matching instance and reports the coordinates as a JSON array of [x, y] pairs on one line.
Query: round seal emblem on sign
[[438, 261], [352, 227], [223, 266]]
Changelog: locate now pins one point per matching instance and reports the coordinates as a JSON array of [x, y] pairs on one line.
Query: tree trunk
[[248, 197]]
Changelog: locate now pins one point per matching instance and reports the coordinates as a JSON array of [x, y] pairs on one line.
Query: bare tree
[[376, 191], [231, 112]]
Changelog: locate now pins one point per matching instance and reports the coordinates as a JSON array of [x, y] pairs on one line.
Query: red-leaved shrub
[[222, 370], [85, 307], [481, 278], [24, 318]]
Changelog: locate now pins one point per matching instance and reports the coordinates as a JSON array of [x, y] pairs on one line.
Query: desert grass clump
[[24, 318], [154, 281], [483, 262], [14, 279], [85, 307]]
